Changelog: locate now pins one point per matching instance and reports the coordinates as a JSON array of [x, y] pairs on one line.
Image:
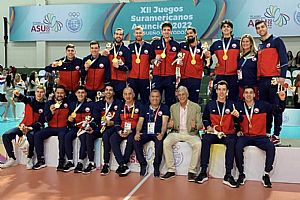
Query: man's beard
[[191, 40]]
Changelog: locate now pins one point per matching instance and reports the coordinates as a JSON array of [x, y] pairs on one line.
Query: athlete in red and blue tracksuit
[[138, 77], [272, 62], [33, 117], [253, 125], [125, 116], [56, 114], [96, 76], [119, 75], [164, 73], [69, 74], [82, 108], [105, 111], [227, 69], [191, 74]]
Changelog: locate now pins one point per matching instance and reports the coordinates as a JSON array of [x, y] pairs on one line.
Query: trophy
[[215, 132], [108, 117], [23, 144], [180, 57], [282, 87], [85, 124], [204, 50]]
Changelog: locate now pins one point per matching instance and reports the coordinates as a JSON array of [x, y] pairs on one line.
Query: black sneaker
[[241, 180], [69, 166], [118, 170], [60, 166], [201, 178], [124, 171], [156, 172], [275, 140], [78, 168], [39, 165], [144, 170], [105, 170], [229, 180], [266, 181], [168, 175], [191, 177], [90, 168]]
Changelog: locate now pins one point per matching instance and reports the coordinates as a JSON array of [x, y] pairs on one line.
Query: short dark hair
[[110, 85], [166, 24], [191, 28], [70, 46], [155, 90], [60, 87], [94, 42], [222, 82], [248, 87], [257, 22], [81, 87], [228, 22]]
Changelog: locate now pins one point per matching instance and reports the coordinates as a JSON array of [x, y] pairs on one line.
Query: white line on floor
[[128, 196]]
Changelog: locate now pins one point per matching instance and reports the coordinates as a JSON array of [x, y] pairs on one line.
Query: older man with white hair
[[185, 122]]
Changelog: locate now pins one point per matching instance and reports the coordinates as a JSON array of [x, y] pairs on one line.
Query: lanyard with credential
[[156, 113], [107, 108], [223, 111], [249, 117], [132, 112]]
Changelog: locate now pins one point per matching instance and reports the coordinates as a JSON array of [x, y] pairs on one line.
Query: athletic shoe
[[60, 166], [78, 168], [275, 140], [124, 171], [168, 175], [144, 170], [9, 163], [201, 178], [241, 180], [191, 177], [39, 165], [119, 169], [229, 180], [29, 163], [90, 168], [105, 170], [266, 181], [69, 166]]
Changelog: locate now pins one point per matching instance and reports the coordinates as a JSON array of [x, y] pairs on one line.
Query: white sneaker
[[29, 164], [9, 163]]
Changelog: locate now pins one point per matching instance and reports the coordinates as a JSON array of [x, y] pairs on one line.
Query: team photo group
[[150, 91]]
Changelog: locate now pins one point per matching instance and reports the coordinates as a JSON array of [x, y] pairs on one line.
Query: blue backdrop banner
[[85, 22]]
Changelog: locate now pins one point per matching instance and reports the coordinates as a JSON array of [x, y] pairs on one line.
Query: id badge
[[127, 126], [240, 74], [151, 127]]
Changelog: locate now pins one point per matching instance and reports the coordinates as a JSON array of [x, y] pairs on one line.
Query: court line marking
[[129, 195]]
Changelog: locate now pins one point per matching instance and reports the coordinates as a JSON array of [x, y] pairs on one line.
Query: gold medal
[[137, 60], [89, 62], [115, 60], [250, 125], [73, 114], [59, 63], [193, 61], [57, 105], [225, 57], [163, 54]]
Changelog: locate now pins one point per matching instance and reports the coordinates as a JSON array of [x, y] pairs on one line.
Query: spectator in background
[[3, 74], [8, 89], [12, 70], [49, 84], [296, 61], [290, 59], [297, 92], [33, 83], [19, 83]]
